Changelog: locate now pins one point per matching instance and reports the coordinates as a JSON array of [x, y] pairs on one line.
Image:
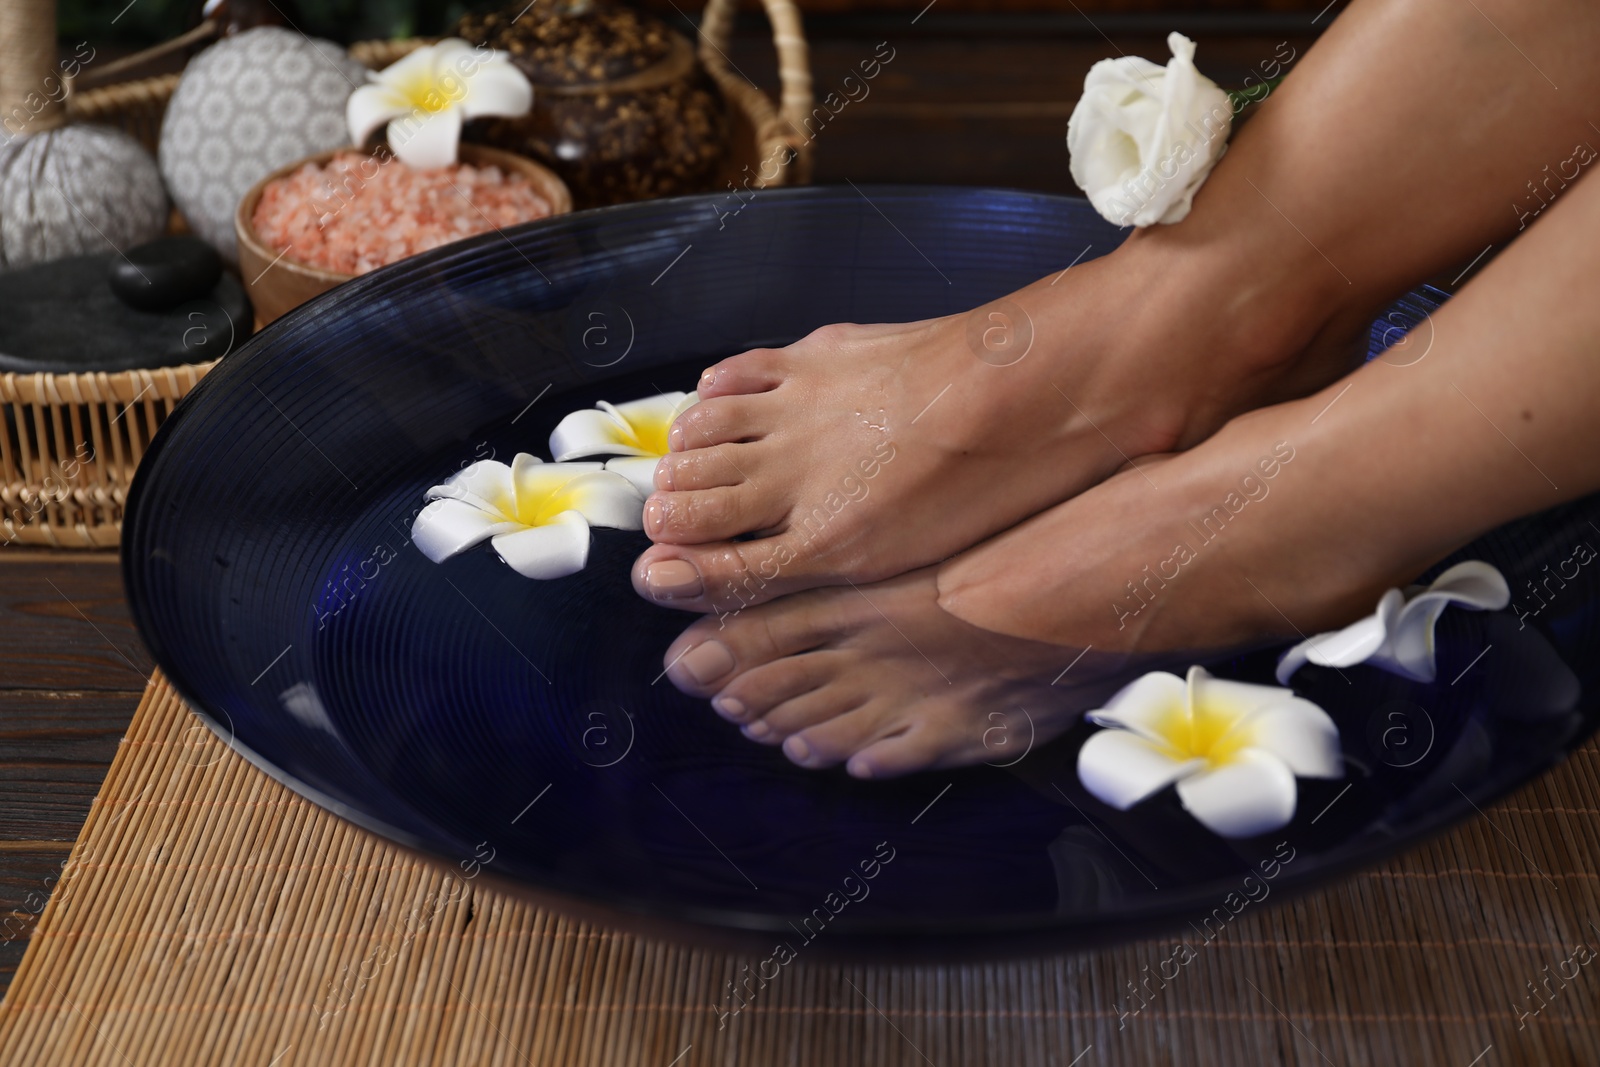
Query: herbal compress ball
[[245, 107], [76, 190]]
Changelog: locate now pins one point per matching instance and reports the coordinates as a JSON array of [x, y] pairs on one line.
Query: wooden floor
[[965, 101]]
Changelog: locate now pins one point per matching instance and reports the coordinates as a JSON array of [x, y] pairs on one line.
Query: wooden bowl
[[276, 283]]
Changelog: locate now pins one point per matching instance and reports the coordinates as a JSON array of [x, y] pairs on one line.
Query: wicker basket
[[69, 443]]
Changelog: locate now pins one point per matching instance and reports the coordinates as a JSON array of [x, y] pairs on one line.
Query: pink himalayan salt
[[359, 212]]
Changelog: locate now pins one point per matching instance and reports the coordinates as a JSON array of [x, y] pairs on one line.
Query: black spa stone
[[166, 272], [62, 317]]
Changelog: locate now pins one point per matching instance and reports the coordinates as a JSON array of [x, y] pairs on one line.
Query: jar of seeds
[[622, 109]]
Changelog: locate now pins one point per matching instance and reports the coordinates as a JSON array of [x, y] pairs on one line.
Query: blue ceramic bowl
[[523, 729]]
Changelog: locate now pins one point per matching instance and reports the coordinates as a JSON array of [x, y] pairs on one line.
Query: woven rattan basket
[[69, 443]]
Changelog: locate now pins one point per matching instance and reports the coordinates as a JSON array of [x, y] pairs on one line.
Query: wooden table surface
[[71, 671], [970, 101]]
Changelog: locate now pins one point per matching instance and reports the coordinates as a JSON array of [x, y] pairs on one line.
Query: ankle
[[1235, 330], [1264, 305]]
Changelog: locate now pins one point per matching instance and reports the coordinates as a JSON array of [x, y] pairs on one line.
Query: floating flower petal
[[1232, 749], [555, 550], [639, 470], [1122, 768], [1398, 637], [637, 428], [446, 527], [1250, 794]]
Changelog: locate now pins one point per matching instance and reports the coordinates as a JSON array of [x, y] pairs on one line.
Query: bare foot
[[880, 679], [1239, 540], [1291, 520], [861, 452]]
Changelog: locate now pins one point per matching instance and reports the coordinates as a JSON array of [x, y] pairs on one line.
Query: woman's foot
[[1249, 537], [880, 679], [862, 452]]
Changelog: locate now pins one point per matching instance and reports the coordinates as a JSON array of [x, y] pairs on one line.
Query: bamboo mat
[[208, 915]]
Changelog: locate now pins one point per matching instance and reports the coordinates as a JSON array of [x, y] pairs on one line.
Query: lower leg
[[1378, 162]]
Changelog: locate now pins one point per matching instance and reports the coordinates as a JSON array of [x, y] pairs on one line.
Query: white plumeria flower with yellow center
[[1398, 637], [427, 95], [536, 515], [636, 432], [1233, 749]]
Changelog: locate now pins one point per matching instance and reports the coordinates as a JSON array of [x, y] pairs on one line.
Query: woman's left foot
[[879, 678]]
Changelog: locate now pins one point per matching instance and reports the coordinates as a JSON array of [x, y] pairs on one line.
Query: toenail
[[757, 730], [663, 475], [728, 707], [673, 579], [708, 662], [675, 437], [797, 749], [708, 379], [859, 768], [655, 515]]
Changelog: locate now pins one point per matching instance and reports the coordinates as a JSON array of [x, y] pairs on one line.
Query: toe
[[755, 371], [710, 656], [725, 577], [835, 740], [915, 749], [721, 421], [703, 468], [758, 691], [701, 515], [805, 712]]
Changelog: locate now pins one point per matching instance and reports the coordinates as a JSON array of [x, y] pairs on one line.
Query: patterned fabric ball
[[246, 106], [75, 190]]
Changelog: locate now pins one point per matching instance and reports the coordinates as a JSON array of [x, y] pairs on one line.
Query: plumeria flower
[[426, 96], [1233, 749], [536, 515], [1398, 637], [635, 431]]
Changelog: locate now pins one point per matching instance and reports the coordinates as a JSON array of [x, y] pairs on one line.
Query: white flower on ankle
[[1398, 637], [635, 431], [1143, 137], [1233, 749], [536, 515], [427, 95]]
